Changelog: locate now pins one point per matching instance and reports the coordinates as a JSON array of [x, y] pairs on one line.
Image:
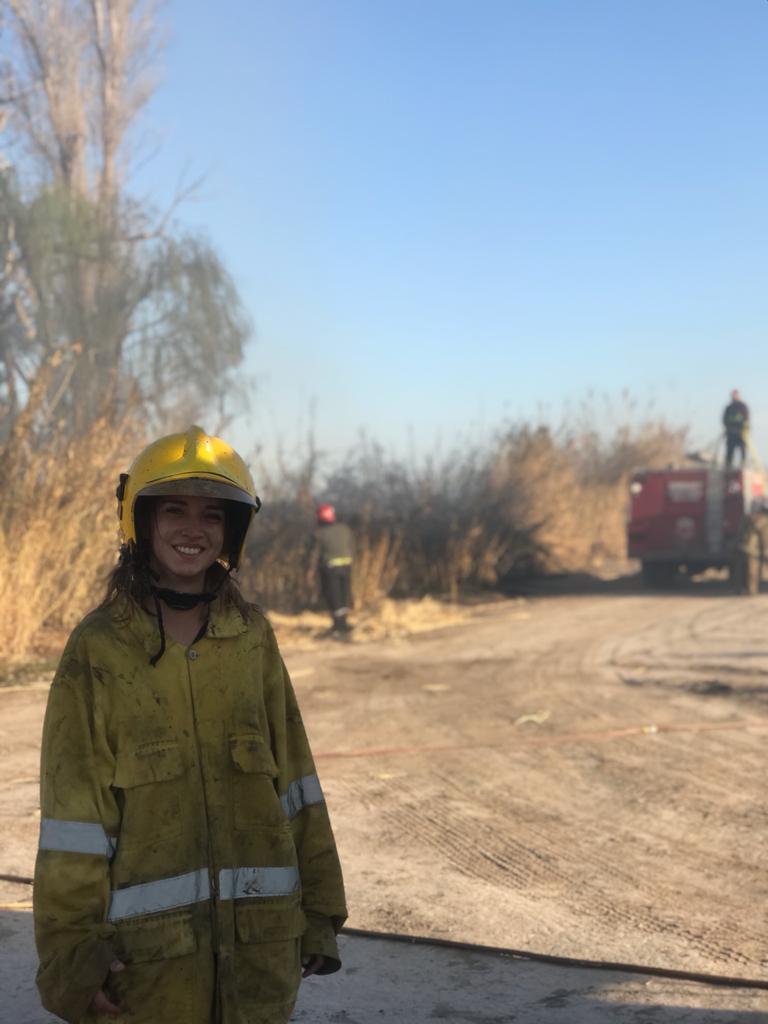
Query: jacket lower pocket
[[156, 938], [260, 922], [168, 976], [267, 960]]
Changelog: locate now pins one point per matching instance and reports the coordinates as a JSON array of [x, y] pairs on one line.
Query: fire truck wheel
[[737, 573], [746, 566], [754, 574], [659, 574], [745, 573]]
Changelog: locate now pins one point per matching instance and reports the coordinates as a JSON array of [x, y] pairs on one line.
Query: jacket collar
[[222, 622]]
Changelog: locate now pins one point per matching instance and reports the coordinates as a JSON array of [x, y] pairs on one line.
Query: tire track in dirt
[[716, 651], [533, 863], [623, 858]]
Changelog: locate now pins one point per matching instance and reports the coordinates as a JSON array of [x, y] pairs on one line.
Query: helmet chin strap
[[181, 601]]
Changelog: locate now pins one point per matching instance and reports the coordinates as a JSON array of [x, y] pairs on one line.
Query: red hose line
[[554, 739]]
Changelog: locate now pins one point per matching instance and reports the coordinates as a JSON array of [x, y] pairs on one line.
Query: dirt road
[[580, 774]]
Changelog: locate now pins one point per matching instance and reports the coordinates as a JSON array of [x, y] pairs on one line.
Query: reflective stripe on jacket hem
[[301, 793], [165, 894], [76, 837], [243, 883], [334, 563], [194, 887]]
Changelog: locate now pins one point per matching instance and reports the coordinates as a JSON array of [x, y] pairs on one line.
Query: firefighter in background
[[187, 870], [332, 554], [736, 423]]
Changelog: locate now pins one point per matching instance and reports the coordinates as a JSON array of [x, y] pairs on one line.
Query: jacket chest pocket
[[151, 779], [254, 783]]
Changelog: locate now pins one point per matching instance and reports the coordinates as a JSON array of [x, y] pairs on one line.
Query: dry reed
[[58, 531], [533, 500]]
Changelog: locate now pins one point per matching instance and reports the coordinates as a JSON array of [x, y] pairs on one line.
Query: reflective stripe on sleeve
[[76, 837], [301, 793], [243, 883], [164, 894]]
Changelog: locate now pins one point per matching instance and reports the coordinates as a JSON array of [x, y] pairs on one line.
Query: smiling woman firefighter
[[187, 870]]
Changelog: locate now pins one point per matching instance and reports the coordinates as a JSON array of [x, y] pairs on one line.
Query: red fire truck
[[691, 518]]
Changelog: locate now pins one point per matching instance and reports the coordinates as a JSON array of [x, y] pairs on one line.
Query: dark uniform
[[736, 423], [335, 548]]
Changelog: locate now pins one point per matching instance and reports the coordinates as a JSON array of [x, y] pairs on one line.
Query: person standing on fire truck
[[736, 423]]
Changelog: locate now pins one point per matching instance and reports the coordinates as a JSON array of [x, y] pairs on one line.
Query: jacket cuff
[[320, 938], [68, 983]]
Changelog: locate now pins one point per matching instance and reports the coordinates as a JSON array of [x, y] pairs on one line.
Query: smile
[[185, 550]]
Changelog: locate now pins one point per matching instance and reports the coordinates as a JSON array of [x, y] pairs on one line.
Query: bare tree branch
[[81, 257]]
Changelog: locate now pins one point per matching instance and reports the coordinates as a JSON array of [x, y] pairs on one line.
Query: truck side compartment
[[688, 517]]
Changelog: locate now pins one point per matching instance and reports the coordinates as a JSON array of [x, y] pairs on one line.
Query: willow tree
[[102, 299]]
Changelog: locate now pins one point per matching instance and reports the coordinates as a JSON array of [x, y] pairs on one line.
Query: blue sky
[[444, 214]]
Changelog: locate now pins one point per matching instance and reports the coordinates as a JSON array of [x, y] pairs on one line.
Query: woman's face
[[187, 538]]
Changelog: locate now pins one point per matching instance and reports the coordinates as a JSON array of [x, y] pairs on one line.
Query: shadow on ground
[[631, 585], [385, 981]]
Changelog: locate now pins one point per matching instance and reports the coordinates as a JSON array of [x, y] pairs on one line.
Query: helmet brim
[[199, 487]]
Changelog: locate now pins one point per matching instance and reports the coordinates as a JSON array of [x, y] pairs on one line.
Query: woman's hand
[[312, 964], [101, 1002]]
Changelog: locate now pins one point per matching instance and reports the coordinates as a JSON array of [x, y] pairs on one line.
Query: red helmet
[[326, 514]]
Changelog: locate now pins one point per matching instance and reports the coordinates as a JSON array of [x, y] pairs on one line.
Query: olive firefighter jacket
[[334, 545], [183, 828]]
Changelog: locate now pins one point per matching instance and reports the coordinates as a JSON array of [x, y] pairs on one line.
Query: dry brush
[[533, 501]]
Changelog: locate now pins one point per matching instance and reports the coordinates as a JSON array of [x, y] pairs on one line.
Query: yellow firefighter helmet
[[190, 463]]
